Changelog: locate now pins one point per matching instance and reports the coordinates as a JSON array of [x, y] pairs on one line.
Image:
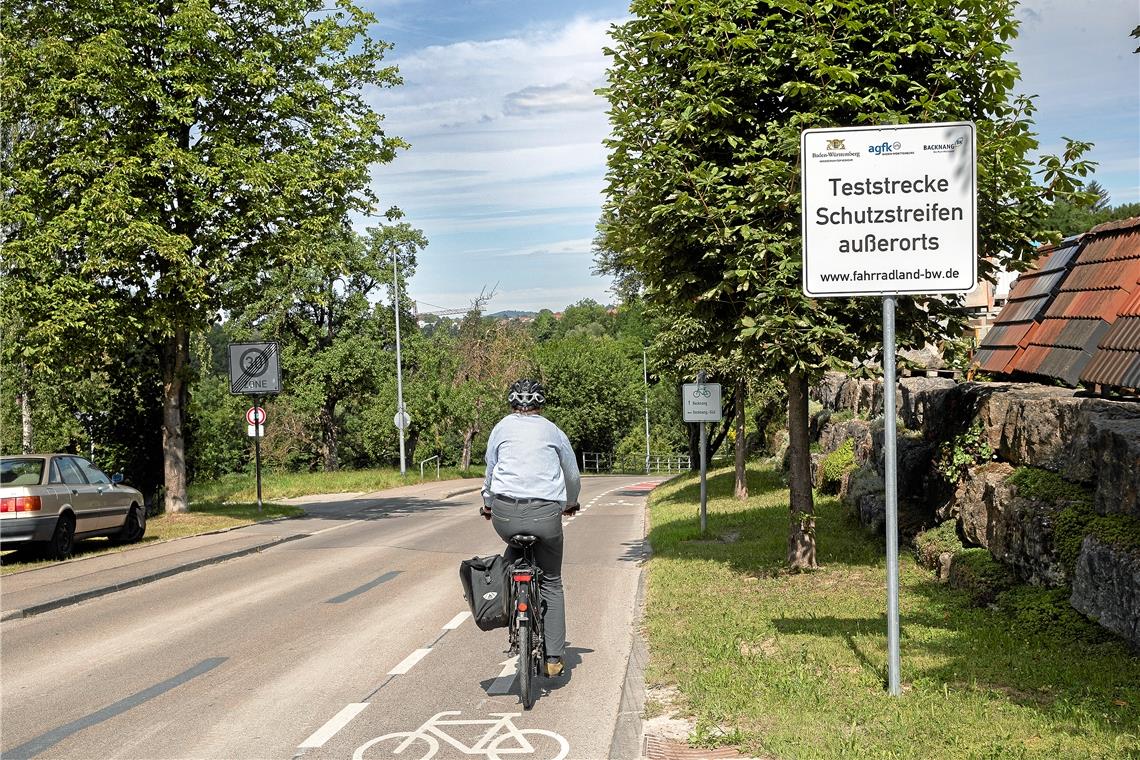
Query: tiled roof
[[1075, 317], [1028, 299]]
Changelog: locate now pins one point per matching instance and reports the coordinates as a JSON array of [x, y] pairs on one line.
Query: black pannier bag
[[484, 581]]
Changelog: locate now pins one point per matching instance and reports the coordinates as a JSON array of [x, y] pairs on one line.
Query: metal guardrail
[[596, 462], [436, 458]]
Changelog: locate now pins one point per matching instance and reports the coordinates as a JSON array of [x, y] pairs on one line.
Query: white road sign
[[254, 368], [255, 431], [889, 209], [402, 420], [255, 415], [700, 402]]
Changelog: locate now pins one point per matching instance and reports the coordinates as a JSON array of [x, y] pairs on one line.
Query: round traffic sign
[[255, 415], [402, 420]]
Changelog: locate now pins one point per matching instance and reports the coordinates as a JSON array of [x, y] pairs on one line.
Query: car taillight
[[20, 504]]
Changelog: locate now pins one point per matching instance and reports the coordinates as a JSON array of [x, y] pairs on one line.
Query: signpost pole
[[399, 366], [645, 376], [891, 478], [257, 450], [704, 463]]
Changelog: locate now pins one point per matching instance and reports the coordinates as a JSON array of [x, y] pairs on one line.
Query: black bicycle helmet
[[526, 395]]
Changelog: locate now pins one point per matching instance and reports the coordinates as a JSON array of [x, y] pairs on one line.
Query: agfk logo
[[884, 147]]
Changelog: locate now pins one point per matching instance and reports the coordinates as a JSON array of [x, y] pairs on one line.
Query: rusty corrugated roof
[[1075, 317]]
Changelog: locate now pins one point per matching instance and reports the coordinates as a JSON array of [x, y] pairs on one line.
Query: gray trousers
[[543, 519]]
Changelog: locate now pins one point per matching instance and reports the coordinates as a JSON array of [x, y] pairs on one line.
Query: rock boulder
[[1106, 587]]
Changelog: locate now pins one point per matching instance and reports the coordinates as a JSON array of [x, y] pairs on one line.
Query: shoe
[[553, 667]]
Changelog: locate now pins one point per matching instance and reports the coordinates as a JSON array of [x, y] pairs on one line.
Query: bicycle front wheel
[[526, 666]]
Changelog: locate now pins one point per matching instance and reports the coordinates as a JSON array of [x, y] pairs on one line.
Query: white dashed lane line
[[409, 662], [336, 723]]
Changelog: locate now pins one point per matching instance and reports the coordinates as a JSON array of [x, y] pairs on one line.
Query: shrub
[[931, 544], [978, 573], [835, 465]]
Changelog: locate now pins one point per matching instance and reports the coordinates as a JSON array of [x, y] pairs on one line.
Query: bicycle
[[525, 634], [502, 738]]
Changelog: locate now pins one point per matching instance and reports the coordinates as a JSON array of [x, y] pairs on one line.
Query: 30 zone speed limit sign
[[254, 369]]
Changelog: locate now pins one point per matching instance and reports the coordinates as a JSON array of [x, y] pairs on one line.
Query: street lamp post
[[645, 377], [399, 367]]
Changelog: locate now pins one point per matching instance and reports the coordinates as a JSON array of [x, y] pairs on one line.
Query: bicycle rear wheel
[[526, 666]]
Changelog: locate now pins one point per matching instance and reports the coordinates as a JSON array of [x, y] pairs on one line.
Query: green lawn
[[283, 485], [794, 666]]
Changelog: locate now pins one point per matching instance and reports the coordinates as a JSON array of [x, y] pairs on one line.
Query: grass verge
[[203, 517], [284, 485], [794, 665]]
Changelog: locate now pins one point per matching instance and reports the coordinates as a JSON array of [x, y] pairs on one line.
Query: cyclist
[[532, 480]]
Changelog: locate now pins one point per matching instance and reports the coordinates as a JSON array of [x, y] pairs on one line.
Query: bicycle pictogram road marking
[[502, 739]]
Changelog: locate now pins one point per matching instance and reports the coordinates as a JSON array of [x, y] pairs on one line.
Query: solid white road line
[[338, 721], [457, 621], [408, 662]]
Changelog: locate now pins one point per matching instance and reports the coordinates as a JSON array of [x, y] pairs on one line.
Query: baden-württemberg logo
[[949, 147], [836, 151]]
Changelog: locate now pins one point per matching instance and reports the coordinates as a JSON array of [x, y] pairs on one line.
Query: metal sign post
[[891, 482], [257, 454], [255, 416], [700, 403], [255, 370], [889, 210]]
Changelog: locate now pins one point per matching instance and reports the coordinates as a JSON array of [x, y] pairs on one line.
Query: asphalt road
[[317, 647]]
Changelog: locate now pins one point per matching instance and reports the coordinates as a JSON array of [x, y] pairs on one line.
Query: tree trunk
[[175, 364], [330, 450], [801, 533], [741, 450], [27, 431], [468, 437]]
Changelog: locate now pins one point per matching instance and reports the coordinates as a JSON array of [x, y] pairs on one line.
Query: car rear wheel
[[62, 539], [134, 528]]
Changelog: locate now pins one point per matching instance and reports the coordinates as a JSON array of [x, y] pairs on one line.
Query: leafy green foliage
[[160, 160], [964, 450], [707, 104]]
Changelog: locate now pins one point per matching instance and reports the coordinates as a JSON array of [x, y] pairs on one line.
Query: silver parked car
[[50, 500]]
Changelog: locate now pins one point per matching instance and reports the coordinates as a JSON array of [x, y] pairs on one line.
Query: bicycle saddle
[[523, 540]]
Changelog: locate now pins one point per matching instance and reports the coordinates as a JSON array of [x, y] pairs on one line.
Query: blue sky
[[506, 169]]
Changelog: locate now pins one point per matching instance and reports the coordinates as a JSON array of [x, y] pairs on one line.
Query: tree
[[165, 158], [492, 354], [594, 389], [707, 102]]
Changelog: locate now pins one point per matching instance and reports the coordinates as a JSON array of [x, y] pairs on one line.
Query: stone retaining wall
[[1089, 441]]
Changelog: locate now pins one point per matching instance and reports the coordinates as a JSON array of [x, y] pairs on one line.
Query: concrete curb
[[67, 601], [628, 742], [469, 489]]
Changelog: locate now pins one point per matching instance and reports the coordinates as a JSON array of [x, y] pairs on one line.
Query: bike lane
[[456, 695]]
